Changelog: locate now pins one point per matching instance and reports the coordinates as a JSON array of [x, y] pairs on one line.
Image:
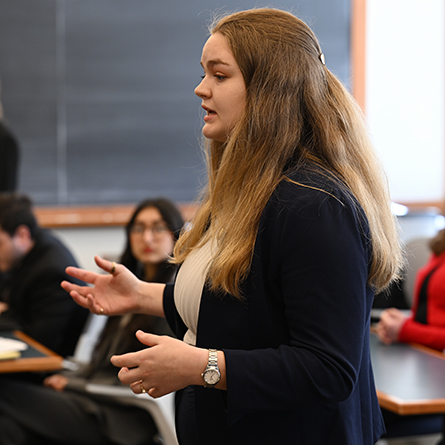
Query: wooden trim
[[50, 362], [398, 406], [55, 217], [428, 350], [94, 216], [358, 51], [118, 215], [424, 206]]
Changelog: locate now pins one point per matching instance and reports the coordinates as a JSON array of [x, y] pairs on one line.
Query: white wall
[[84, 243], [405, 95]]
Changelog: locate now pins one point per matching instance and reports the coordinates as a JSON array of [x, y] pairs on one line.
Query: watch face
[[212, 376]]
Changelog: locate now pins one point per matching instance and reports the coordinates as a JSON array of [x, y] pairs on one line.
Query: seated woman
[[61, 411], [426, 324]]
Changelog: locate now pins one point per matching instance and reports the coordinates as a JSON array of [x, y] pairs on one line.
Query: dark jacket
[[9, 159], [37, 303], [297, 348]]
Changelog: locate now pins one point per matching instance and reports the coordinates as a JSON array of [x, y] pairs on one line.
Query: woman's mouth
[[210, 114]]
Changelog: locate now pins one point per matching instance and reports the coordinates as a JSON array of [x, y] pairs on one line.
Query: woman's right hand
[[56, 381], [114, 293]]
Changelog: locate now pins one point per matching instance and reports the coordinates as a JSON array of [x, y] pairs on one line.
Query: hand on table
[[388, 328]]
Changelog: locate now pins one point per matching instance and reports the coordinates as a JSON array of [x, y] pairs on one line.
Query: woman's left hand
[[167, 365], [388, 328]]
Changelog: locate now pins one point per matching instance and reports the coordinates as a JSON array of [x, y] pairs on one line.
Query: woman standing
[[271, 305], [72, 415]]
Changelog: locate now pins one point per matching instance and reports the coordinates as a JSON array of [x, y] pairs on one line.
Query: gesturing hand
[[113, 293], [166, 366]]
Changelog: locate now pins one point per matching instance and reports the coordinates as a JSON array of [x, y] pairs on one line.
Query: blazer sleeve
[[321, 246]]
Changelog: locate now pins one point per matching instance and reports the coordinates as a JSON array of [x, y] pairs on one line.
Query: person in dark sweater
[[32, 265]]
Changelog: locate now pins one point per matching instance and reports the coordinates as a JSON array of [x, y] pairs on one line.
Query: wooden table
[[36, 358], [410, 379]]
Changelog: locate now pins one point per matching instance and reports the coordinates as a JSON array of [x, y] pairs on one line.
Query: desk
[[410, 379], [36, 358]]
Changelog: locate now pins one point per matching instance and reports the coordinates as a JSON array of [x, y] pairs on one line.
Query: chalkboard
[[100, 92]]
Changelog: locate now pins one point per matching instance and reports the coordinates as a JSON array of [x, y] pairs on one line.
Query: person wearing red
[[426, 324]]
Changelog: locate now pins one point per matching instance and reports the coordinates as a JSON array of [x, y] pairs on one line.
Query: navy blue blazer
[[297, 348]]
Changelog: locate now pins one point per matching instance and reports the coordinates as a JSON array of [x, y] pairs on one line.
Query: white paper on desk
[[10, 345]]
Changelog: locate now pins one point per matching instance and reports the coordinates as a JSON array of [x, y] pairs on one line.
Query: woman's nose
[[148, 235], [201, 90]]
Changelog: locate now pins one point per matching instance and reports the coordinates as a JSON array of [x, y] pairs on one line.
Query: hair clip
[[321, 57]]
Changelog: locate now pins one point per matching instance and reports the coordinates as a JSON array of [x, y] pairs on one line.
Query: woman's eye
[[203, 76], [220, 77]]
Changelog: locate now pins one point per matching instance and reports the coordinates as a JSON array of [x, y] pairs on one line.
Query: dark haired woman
[[62, 411]]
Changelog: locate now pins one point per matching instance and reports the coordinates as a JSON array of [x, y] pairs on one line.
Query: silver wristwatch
[[211, 374]]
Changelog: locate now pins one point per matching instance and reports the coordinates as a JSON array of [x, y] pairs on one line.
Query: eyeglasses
[[157, 231]]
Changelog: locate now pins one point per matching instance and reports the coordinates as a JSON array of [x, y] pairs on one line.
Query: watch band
[[213, 358], [211, 374]]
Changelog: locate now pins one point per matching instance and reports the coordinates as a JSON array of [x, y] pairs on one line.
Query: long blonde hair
[[296, 112]]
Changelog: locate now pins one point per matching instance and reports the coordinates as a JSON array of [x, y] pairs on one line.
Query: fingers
[[75, 295], [385, 317], [395, 313], [129, 376], [81, 290], [130, 360], [87, 301], [148, 339], [56, 381], [141, 387], [392, 310], [137, 387], [81, 274], [108, 266]]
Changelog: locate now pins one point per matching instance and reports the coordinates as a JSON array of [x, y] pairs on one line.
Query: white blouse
[[189, 286]]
